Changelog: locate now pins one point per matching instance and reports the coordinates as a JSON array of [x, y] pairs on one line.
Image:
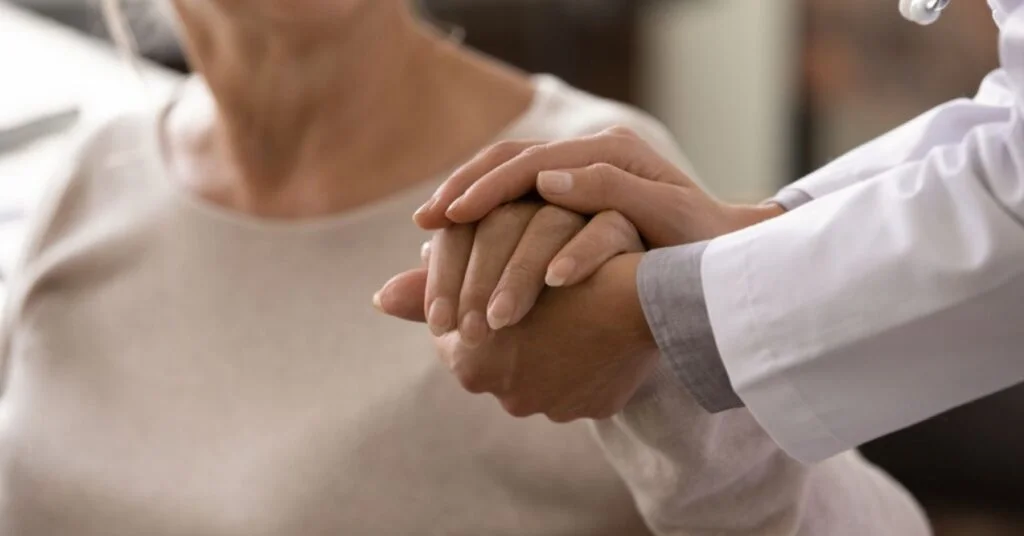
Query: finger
[[432, 214], [449, 254], [518, 176], [497, 237], [478, 370], [608, 235], [523, 279], [601, 187], [425, 254], [402, 297]]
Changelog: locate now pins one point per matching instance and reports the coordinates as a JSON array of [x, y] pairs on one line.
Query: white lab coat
[[898, 293]]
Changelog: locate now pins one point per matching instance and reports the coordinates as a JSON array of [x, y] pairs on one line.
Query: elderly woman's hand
[[615, 170], [488, 276], [582, 352]]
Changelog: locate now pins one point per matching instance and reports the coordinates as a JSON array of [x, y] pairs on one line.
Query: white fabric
[[899, 292], [44, 68], [698, 474], [178, 369]]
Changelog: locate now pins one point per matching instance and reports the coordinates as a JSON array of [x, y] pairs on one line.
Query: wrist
[[671, 287], [621, 273]]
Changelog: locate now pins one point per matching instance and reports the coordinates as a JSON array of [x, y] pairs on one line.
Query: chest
[[182, 390]]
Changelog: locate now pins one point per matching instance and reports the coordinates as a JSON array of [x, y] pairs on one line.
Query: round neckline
[[545, 87]]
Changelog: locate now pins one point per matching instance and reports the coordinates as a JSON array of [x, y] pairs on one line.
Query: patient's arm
[[692, 473], [696, 474]]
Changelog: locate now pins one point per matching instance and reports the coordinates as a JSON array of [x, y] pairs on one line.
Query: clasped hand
[[536, 303]]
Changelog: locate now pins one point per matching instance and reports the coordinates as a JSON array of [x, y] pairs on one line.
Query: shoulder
[[561, 111], [109, 165], [82, 206]]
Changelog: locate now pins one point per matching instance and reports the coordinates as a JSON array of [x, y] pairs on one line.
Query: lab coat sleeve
[[886, 302], [944, 125], [693, 473]]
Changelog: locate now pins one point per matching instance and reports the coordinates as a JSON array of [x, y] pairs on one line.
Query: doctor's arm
[[878, 306], [875, 307], [886, 302]]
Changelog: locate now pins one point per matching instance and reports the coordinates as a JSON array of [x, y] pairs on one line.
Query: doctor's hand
[[581, 353], [614, 170]]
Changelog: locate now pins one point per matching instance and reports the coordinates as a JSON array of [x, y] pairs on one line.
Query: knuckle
[[506, 210], [444, 354], [595, 242], [603, 176], [470, 378], [502, 151], [602, 171], [559, 417], [474, 295], [554, 218], [517, 407], [456, 238], [622, 131], [533, 151], [590, 243], [623, 229], [499, 217], [507, 217], [622, 138]]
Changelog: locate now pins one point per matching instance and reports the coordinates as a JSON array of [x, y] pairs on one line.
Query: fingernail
[[554, 182], [425, 252], [439, 318], [426, 206], [473, 329], [499, 314], [453, 207], [377, 301], [560, 272]]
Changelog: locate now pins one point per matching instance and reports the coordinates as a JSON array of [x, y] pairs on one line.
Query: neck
[[299, 109]]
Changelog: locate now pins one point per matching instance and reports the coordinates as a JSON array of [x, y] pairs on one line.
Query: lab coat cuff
[[739, 310], [672, 295], [791, 198]]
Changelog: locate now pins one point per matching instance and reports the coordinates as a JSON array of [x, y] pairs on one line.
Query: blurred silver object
[[18, 136], [923, 12]]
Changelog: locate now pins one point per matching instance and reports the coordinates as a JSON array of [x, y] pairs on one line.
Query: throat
[[304, 157]]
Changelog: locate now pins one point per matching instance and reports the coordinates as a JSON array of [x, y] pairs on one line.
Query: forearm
[[694, 473]]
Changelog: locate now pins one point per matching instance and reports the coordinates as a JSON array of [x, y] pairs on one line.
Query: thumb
[[603, 187], [403, 296]]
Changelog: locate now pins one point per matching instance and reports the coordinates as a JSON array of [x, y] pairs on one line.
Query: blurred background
[[758, 93]]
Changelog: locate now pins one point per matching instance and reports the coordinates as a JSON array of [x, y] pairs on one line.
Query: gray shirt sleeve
[[672, 296], [791, 198]]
